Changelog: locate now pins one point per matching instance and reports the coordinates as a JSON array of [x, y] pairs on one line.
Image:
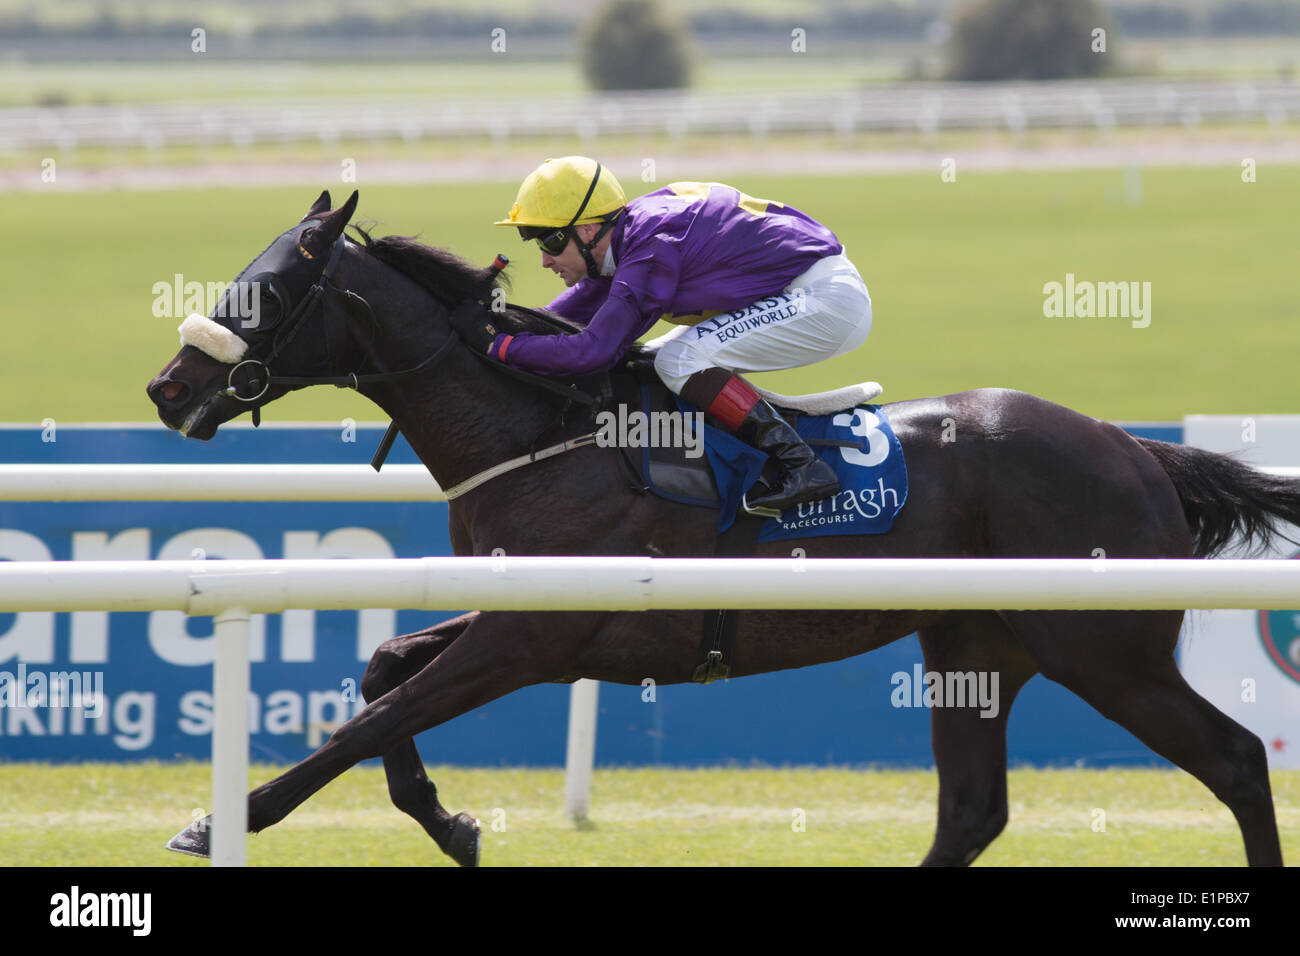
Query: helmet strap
[[593, 270]]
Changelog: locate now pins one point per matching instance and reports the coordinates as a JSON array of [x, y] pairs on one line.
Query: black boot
[[803, 477]]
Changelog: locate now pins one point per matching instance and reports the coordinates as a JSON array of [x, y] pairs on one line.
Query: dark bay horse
[[994, 473]]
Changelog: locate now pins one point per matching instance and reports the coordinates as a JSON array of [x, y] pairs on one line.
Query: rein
[[352, 379], [570, 393]]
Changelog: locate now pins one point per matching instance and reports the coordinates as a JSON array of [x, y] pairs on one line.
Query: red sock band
[[733, 403]]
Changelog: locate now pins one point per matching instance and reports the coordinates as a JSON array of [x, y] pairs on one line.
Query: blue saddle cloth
[[870, 466]]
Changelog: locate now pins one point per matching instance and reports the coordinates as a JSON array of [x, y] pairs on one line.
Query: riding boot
[[733, 404], [804, 476]]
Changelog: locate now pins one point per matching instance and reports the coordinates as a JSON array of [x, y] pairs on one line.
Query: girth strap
[[719, 630]]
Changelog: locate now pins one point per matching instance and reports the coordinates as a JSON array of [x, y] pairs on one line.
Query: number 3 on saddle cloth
[[858, 443]]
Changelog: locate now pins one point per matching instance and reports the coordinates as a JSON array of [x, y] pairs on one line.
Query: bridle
[[252, 384], [251, 378]]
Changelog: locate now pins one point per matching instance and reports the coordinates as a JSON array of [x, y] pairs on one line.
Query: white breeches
[[822, 313]]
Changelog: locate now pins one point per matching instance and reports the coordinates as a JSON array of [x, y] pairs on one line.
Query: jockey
[[752, 285]]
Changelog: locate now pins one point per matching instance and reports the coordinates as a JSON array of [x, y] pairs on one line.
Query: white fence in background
[[921, 107]]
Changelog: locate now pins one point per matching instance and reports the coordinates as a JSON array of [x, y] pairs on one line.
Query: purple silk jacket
[[683, 249]]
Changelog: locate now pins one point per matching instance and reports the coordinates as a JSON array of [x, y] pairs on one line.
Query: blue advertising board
[[155, 669]]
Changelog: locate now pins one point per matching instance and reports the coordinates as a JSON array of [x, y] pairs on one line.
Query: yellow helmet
[[569, 191]]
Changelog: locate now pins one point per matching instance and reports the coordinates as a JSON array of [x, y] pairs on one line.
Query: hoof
[[193, 840], [466, 841]]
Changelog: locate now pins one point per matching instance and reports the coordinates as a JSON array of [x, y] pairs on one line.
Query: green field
[[956, 271], [120, 815]]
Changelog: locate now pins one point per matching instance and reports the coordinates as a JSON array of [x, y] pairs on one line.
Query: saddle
[[673, 473], [823, 403]]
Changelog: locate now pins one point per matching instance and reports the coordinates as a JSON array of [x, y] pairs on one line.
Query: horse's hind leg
[[411, 790], [1122, 663], [970, 750]]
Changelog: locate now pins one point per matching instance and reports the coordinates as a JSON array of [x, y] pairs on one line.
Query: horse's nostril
[[168, 393]]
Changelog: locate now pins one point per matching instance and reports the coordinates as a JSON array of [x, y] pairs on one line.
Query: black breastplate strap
[[385, 446]]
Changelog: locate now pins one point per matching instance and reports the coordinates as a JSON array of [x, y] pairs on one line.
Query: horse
[[993, 473]]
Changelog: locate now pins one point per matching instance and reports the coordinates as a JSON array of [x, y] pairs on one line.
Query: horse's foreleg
[[412, 792], [497, 653], [970, 743]]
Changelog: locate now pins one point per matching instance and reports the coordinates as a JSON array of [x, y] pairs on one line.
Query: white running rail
[[232, 590]]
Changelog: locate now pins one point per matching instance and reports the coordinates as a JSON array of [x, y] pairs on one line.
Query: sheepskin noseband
[[212, 339]]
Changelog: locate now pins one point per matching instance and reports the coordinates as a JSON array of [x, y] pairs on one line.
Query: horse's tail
[[1225, 500]]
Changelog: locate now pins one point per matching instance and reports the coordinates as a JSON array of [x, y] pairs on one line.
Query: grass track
[[120, 815]]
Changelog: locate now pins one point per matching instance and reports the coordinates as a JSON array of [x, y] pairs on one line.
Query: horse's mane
[[451, 280]]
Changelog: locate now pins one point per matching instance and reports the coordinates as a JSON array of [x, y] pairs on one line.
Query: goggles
[[551, 241]]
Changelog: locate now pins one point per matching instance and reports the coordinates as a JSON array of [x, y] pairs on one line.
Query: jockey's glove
[[475, 325]]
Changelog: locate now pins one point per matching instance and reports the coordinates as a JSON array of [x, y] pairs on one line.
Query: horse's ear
[[319, 240], [322, 204]]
